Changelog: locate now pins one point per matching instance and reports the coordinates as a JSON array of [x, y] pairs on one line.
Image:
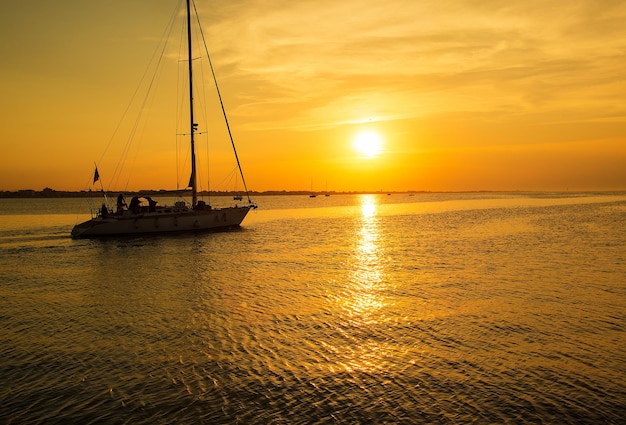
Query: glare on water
[[363, 300], [366, 282], [450, 308]]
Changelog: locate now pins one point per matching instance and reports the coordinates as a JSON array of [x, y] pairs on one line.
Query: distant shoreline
[[51, 193]]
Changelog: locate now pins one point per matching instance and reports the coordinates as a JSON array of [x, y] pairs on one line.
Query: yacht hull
[[161, 221]]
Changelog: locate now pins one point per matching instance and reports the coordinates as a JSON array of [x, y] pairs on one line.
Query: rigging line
[[181, 101], [147, 97], [164, 38], [219, 95], [182, 105], [202, 105], [225, 182], [199, 104], [208, 164]]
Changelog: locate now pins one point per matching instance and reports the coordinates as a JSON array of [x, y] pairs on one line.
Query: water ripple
[[364, 313]]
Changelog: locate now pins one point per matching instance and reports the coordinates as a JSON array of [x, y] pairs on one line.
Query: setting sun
[[368, 143]]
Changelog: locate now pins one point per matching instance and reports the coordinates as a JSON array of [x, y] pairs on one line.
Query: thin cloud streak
[[419, 58]]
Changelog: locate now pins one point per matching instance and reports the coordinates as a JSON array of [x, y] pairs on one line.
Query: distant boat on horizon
[[144, 216]]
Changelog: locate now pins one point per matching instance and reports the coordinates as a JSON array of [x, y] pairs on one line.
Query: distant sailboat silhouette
[[312, 195]]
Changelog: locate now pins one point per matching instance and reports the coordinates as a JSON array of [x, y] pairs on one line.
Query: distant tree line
[[51, 193]]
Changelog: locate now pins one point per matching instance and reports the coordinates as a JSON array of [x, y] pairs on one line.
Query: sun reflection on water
[[363, 301], [367, 273]]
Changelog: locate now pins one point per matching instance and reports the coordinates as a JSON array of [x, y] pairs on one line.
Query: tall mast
[[192, 125]]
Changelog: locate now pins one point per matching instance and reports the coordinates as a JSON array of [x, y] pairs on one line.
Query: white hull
[[163, 220]]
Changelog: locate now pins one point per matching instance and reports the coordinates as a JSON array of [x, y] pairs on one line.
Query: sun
[[368, 143]]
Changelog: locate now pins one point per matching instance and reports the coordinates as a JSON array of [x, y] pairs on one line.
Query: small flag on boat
[[96, 175]]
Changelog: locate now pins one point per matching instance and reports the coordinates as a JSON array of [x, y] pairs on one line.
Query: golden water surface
[[432, 308]]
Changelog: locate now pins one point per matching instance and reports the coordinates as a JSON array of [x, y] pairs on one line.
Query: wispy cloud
[[327, 60]]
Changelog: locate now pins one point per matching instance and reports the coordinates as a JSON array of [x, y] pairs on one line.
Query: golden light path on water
[[366, 278], [363, 301]]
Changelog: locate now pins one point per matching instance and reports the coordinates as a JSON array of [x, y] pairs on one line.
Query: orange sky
[[465, 95]]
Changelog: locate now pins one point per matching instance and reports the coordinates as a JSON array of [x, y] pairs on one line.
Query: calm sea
[[432, 308]]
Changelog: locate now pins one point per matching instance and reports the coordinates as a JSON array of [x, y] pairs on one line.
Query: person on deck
[[135, 205], [151, 204], [121, 203]]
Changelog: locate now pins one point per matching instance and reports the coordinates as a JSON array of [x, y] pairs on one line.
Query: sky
[[457, 94]]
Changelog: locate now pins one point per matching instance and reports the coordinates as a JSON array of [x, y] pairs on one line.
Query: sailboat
[[313, 194], [138, 218], [237, 196]]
